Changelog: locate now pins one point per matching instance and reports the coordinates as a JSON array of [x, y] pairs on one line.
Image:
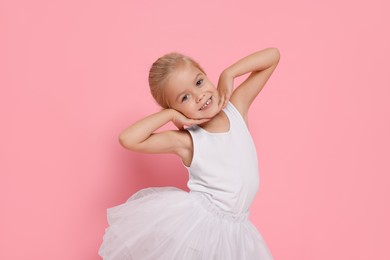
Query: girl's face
[[190, 92]]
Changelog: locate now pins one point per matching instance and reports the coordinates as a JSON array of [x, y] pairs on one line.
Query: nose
[[199, 97]]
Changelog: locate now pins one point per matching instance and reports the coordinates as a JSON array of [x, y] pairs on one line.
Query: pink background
[[73, 74]]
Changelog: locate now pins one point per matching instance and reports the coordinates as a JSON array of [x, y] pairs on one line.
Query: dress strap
[[234, 116]]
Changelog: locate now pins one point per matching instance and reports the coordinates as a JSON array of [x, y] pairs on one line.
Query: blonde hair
[[160, 71]]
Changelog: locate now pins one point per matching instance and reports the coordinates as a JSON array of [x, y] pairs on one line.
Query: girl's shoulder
[[239, 108]]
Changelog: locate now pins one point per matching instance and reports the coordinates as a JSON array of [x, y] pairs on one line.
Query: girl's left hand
[[180, 120], [225, 89]]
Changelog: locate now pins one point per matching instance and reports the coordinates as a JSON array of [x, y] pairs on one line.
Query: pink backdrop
[[73, 74]]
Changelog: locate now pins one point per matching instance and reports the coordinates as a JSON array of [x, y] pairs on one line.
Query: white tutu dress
[[208, 223]]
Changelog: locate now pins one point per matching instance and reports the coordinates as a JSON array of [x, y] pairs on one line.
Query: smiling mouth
[[206, 104]]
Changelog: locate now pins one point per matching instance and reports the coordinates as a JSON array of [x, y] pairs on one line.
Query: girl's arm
[[260, 65], [141, 136]]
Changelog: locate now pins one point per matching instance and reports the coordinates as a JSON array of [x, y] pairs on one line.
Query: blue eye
[[185, 97], [199, 82]]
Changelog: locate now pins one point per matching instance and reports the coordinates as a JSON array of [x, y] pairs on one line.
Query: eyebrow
[[181, 93]]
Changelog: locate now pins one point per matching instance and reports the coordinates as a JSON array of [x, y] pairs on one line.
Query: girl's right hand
[[225, 88], [180, 120]]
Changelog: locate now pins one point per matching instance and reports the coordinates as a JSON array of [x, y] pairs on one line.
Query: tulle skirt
[[167, 223]]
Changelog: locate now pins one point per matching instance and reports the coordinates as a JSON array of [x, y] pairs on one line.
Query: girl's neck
[[218, 124]]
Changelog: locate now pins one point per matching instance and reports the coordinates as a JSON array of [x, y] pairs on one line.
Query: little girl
[[211, 221]]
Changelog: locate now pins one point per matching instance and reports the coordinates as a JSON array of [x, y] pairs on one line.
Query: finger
[[222, 94], [200, 121], [204, 120], [221, 101], [223, 105], [180, 127], [220, 104], [226, 100]]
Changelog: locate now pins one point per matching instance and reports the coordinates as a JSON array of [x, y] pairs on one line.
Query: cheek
[[210, 84], [211, 87], [191, 111], [185, 109]]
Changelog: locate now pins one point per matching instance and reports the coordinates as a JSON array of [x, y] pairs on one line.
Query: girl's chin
[[209, 114]]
